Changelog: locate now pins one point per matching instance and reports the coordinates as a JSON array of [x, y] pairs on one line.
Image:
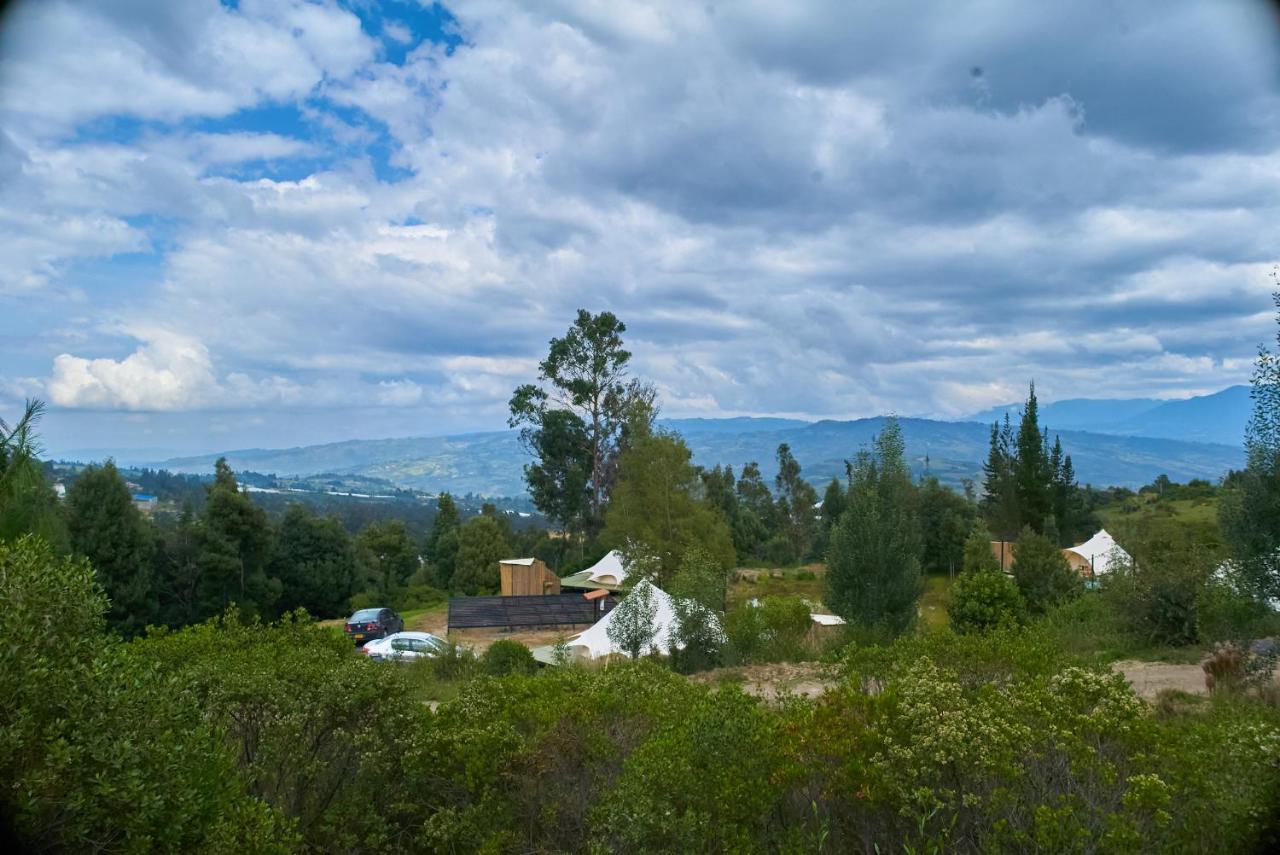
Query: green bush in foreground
[[506, 656], [985, 599], [234, 736]]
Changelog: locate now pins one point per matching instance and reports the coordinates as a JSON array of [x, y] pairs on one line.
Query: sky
[[266, 224]]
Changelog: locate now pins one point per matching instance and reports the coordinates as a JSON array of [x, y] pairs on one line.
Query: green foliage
[[699, 590], [1043, 575], [102, 748], [315, 561], [985, 599], [507, 656], [978, 556], [657, 508], [387, 557], [946, 519], [1158, 592], [873, 562], [701, 578], [106, 528], [576, 420], [632, 627], [27, 504], [779, 551], [232, 547], [773, 631], [482, 543], [1250, 508], [796, 498]]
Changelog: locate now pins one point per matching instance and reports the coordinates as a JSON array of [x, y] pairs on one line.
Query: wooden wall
[[528, 580]]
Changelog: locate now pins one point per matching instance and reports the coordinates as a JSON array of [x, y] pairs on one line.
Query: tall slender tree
[[796, 498], [584, 381], [873, 562]]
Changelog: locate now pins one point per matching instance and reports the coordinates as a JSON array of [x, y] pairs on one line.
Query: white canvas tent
[[608, 570], [1101, 552], [594, 643]]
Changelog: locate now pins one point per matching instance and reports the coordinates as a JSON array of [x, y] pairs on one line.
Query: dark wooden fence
[[545, 610]]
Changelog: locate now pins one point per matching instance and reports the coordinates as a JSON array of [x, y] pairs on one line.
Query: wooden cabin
[[527, 577]]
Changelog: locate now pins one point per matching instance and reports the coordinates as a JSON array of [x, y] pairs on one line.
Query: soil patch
[[770, 682], [1149, 679]]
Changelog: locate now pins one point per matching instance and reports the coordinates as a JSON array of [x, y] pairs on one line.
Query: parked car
[[404, 647], [368, 624]]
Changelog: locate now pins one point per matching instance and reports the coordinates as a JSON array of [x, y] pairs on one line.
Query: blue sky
[[271, 223]]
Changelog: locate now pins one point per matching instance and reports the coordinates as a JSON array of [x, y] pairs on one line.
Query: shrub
[[506, 656], [1159, 593], [413, 597], [984, 600], [454, 662], [773, 631], [99, 746], [1042, 573]]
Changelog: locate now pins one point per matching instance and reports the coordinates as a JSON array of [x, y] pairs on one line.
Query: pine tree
[[1032, 474], [873, 564], [107, 529]]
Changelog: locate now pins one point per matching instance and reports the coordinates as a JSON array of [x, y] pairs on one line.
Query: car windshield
[[365, 615]]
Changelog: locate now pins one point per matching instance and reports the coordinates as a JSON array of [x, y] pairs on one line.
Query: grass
[[808, 582], [934, 602]]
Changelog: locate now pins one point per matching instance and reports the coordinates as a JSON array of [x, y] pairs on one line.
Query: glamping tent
[[609, 573], [594, 643], [1097, 556], [608, 570]]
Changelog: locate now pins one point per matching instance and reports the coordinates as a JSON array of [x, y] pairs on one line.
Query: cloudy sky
[[274, 223]]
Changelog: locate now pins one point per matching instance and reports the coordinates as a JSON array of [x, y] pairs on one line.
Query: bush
[[454, 662], [506, 656], [100, 747], [1224, 613], [984, 600], [773, 631], [1042, 573], [414, 597], [1158, 595]]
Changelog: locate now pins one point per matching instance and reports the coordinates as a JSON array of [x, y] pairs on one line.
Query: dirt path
[[1149, 679], [769, 682]]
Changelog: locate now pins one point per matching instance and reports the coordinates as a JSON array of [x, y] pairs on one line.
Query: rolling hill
[[492, 463], [1217, 418]]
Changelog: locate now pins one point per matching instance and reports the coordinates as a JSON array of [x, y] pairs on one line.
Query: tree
[[482, 543], [757, 519], [796, 498], [698, 593], [631, 626], [1043, 575], [946, 518], [386, 556], [977, 553], [999, 489], [657, 507], [441, 547], [985, 599], [1032, 475], [1250, 508], [107, 529], [873, 563], [234, 546], [27, 504], [572, 421], [315, 562]]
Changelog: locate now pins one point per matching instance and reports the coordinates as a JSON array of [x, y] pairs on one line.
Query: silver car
[[404, 647]]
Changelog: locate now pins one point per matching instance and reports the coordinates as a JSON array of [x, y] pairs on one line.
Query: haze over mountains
[[1219, 417], [1125, 443]]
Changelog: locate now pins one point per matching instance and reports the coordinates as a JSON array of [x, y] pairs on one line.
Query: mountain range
[[1124, 443], [1219, 417]]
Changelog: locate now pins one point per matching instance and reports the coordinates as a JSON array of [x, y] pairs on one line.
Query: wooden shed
[[527, 577]]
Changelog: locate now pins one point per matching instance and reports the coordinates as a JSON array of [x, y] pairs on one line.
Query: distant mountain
[[493, 463], [738, 424], [1217, 418]]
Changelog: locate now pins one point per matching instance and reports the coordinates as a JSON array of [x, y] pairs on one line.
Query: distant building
[[145, 502], [60, 490]]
